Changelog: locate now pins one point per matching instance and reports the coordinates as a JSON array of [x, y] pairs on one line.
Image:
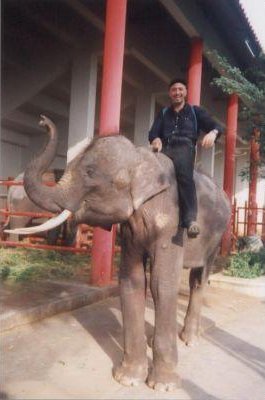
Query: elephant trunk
[[49, 198]]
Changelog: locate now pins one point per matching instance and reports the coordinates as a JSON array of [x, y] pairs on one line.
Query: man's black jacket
[[168, 123]]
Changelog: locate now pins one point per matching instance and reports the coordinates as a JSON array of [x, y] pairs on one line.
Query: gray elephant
[[111, 182], [18, 201]]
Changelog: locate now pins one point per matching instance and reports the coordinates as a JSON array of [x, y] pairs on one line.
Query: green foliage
[[29, 265], [5, 272], [247, 264], [249, 85], [245, 171]]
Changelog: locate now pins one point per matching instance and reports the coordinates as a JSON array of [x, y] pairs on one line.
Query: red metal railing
[[26, 213], [240, 218], [84, 234], [11, 182]]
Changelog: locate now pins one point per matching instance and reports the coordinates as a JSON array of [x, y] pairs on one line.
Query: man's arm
[[209, 139], [156, 132], [207, 124]]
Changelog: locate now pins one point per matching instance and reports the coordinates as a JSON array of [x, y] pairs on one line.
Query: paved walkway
[[29, 302], [71, 355]]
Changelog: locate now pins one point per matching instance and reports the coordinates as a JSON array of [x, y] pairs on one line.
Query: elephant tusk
[[50, 224]]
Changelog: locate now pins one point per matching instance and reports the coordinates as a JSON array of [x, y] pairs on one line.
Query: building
[[52, 56]]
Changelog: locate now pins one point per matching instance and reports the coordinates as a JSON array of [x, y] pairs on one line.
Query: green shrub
[[247, 265]]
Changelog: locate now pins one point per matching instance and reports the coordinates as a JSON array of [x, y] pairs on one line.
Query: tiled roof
[[245, 17]]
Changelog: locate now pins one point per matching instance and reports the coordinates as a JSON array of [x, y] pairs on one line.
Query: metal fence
[[240, 222], [82, 242], [84, 234]]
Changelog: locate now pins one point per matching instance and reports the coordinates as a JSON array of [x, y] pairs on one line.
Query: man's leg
[[184, 155]]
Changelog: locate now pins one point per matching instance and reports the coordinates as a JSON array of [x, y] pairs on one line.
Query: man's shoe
[[193, 230]]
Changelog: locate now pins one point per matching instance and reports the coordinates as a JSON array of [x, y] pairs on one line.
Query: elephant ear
[[148, 177]]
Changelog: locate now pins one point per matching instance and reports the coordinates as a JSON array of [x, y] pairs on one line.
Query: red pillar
[[229, 168], [103, 241], [195, 72], [253, 172]]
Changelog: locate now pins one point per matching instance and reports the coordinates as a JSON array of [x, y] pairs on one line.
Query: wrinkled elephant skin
[[112, 181], [18, 201]]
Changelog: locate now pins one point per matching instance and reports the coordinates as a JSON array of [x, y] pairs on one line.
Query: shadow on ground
[[196, 392], [251, 356]]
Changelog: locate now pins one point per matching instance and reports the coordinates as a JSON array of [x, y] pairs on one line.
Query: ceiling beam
[[180, 17], [23, 123], [136, 52], [190, 18], [28, 83], [63, 36], [86, 14], [126, 76], [11, 137], [49, 105], [138, 55], [132, 81]]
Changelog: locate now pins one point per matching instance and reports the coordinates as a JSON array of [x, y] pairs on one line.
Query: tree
[[249, 85]]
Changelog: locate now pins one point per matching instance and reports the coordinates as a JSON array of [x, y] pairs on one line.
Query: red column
[[253, 172], [229, 168], [195, 72], [103, 241], [263, 225]]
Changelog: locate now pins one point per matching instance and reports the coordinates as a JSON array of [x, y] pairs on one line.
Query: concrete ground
[[71, 355]]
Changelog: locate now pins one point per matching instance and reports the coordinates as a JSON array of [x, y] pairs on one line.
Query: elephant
[[18, 201], [114, 182]]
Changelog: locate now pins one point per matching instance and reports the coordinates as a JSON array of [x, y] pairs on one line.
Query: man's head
[[177, 90]]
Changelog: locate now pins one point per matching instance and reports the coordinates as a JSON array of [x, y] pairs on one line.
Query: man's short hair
[[177, 80]]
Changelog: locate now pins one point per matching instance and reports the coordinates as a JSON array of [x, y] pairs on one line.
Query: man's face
[[177, 93]]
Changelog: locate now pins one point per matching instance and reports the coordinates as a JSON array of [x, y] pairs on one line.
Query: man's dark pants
[[182, 152]]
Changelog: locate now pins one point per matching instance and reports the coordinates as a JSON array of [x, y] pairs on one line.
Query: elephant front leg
[[191, 330], [134, 367], [164, 286]]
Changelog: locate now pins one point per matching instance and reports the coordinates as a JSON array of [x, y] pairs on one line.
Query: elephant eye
[[90, 171]]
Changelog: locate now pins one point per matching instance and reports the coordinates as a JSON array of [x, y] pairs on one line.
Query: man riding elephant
[[175, 131]]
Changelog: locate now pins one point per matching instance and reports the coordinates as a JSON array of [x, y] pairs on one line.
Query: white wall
[[219, 165], [241, 191], [37, 143], [144, 117], [18, 149], [13, 157], [83, 102], [14, 152]]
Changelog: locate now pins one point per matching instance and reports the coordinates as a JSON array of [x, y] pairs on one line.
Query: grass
[[20, 265]]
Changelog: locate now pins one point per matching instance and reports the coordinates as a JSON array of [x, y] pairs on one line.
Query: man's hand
[[209, 139], [156, 145]]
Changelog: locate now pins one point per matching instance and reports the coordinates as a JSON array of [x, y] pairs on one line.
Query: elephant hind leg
[[197, 282], [191, 330]]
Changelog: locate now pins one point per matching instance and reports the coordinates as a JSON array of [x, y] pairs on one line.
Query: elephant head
[[103, 185]]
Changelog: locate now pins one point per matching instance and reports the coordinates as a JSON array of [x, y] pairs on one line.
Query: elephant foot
[[130, 374], [189, 336], [163, 379]]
